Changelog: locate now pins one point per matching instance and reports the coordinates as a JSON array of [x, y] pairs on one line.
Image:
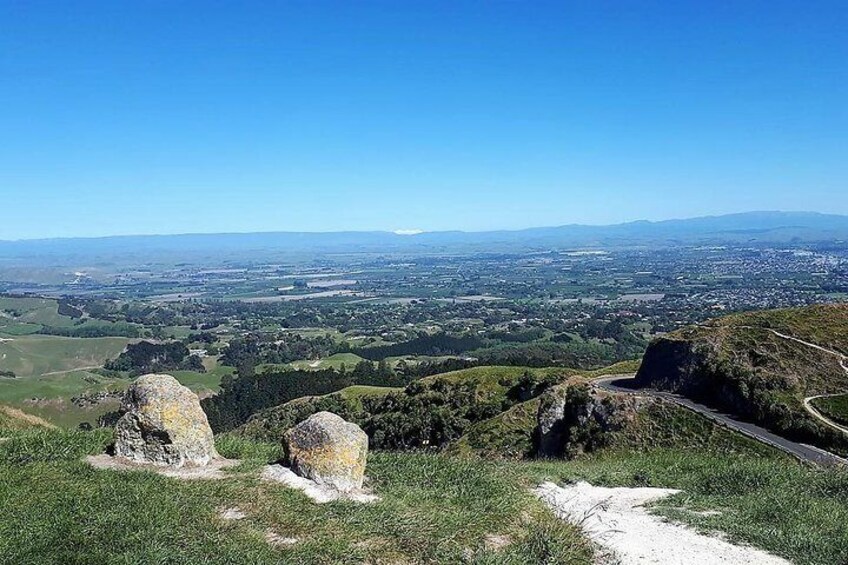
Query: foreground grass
[[791, 510], [57, 509], [434, 508]]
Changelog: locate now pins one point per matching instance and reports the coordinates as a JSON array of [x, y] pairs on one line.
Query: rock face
[[551, 422], [163, 424], [574, 418], [328, 450]]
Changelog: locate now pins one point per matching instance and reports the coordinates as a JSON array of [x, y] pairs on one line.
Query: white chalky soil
[[615, 519]]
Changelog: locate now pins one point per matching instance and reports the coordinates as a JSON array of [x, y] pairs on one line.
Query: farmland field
[[36, 355]]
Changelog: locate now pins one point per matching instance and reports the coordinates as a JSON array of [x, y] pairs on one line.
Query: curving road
[[812, 410], [821, 417], [626, 384]]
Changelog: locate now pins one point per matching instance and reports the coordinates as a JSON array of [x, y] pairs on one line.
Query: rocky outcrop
[[551, 422], [759, 366], [163, 424], [328, 450], [574, 418], [682, 362]]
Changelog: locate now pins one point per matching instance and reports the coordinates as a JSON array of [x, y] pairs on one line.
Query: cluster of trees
[[432, 345], [96, 329], [425, 415], [247, 352], [68, 309], [245, 395], [574, 354], [146, 357]]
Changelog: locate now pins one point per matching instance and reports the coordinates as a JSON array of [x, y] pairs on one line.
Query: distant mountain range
[[753, 228]]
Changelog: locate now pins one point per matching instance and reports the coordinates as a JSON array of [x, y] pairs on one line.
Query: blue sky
[[173, 117]]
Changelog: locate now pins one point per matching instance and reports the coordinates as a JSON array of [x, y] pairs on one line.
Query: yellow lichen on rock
[[163, 424], [328, 450]]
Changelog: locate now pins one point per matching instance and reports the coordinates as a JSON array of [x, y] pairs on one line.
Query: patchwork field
[[51, 371]]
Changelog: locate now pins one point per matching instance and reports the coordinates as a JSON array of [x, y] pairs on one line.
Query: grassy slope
[[434, 508], [56, 509], [34, 355], [30, 311], [509, 435], [12, 420], [834, 407], [738, 364], [823, 324], [56, 391]]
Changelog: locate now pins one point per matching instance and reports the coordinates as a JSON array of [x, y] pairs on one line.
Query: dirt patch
[[274, 538], [496, 542], [318, 493], [616, 520], [232, 513], [213, 470]]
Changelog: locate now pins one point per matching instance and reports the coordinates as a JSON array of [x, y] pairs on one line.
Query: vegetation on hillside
[[834, 407], [146, 357], [739, 364], [245, 395], [427, 413]]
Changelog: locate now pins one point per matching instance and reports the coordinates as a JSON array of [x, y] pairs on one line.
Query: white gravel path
[[615, 519], [318, 493]]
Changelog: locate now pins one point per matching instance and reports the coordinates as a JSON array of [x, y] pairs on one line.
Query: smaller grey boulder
[[163, 424], [328, 450]]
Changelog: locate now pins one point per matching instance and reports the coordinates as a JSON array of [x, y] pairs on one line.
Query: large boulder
[[163, 424], [328, 450]]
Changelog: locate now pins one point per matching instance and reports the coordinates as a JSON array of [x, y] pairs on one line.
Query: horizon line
[[412, 232]]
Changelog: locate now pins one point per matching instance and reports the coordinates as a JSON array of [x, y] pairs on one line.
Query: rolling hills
[[751, 227]]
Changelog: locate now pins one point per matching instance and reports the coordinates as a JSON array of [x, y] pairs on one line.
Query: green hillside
[[35, 355], [834, 407], [27, 315], [13, 420], [753, 365]]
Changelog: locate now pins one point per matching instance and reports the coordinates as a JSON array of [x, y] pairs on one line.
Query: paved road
[[625, 384]]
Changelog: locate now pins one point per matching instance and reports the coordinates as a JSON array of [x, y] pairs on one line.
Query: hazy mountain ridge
[[752, 227]]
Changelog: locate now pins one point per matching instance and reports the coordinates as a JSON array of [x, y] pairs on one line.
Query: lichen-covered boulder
[[328, 450], [163, 424]]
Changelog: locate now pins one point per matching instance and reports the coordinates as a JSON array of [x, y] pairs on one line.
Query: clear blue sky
[[178, 116]]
